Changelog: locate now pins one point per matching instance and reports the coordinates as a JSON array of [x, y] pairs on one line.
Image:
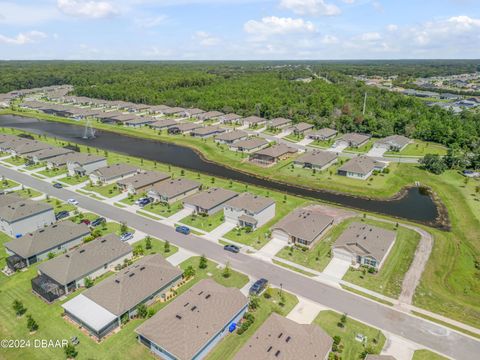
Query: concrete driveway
[[305, 141], [180, 215], [271, 248], [337, 268], [338, 148], [376, 152], [220, 230], [305, 311], [398, 347], [180, 256]]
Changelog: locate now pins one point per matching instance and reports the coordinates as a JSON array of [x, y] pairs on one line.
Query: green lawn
[[28, 193], [35, 166], [318, 257], [294, 138], [427, 355], [73, 180], [59, 205], [7, 184], [107, 191], [53, 172], [106, 228], [352, 349], [162, 209], [158, 247], [388, 281], [15, 160], [231, 343], [362, 149], [420, 148], [206, 223]]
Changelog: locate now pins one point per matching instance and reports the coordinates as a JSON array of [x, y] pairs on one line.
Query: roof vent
[[200, 293], [40, 231], [193, 308], [132, 274], [186, 304], [208, 296], [82, 251], [142, 268], [280, 335], [103, 240], [277, 353], [288, 339], [179, 317], [269, 349], [117, 281]]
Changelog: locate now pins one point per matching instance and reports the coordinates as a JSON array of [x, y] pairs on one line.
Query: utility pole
[[364, 103]]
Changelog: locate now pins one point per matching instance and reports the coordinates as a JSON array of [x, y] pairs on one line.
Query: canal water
[[413, 205]]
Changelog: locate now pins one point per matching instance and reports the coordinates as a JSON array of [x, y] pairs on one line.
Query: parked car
[[233, 248], [97, 221], [258, 287], [144, 202], [141, 200], [126, 236], [85, 221], [72, 201], [58, 185], [183, 229], [61, 215]]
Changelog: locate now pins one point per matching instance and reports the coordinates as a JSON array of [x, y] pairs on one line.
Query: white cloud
[[310, 7], [150, 22], [329, 40], [273, 25], [23, 38], [392, 27], [94, 9], [205, 39], [370, 36]]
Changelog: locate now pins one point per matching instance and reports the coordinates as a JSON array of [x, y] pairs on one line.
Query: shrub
[[31, 324], [70, 351], [203, 263], [142, 311], [19, 308]]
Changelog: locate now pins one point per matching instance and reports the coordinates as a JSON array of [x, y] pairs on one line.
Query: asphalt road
[[420, 331]]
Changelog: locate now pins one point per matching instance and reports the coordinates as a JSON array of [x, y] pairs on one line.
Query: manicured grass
[[352, 350], [427, 355], [158, 247], [28, 193], [362, 149], [318, 257], [294, 138], [165, 210], [107, 191], [15, 160], [73, 180], [420, 148], [290, 267], [385, 302], [8, 184], [388, 281], [53, 172], [59, 205], [206, 223], [232, 343], [121, 206], [143, 213], [35, 166]]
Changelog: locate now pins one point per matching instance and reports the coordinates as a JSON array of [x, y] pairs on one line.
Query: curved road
[[420, 331]]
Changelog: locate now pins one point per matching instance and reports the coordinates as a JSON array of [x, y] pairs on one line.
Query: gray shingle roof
[[133, 284], [143, 179], [395, 141], [251, 143], [284, 339], [232, 135], [317, 157], [210, 198], [175, 187], [363, 239], [49, 153], [276, 151], [18, 208], [305, 224], [189, 322], [84, 259], [160, 124], [253, 120], [355, 139], [279, 122], [83, 158], [47, 238], [208, 130], [302, 126], [231, 117], [324, 133], [115, 170], [361, 165], [250, 202]]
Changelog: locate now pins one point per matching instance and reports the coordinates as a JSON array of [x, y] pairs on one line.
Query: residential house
[[48, 153], [207, 131], [194, 323], [178, 111], [364, 244], [354, 140], [163, 124], [209, 115], [322, 134], [231, 136], [316, 159], [301, 128], [101, 308], [272, 154], [192, 112], [254, 121], [173, 190], [361, 167], [112, 173], [393, 143], [19, 216], [230, 118], [141, 182], [122, 118], [249, 145], [158, 109], [249, 210], [140, 121], [183, 128], [279, 123], [36, 246], [302, 226], [279, 338], [67, 272], [83, 164], [27, 146], [210, 201]]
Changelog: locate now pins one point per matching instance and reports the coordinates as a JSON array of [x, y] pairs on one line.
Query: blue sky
[[239, 29]]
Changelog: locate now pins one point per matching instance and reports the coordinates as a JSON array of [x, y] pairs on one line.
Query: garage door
[[280, 235], [342, 254]]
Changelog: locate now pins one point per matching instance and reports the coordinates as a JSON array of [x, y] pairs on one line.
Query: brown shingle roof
[[276, 151], [115, 170], [304, 224], [250, 202], [317, 157], [232, 135], [143, 179], [361, 165], [175, 187], [251, 143], [19, 208], [210, 198]]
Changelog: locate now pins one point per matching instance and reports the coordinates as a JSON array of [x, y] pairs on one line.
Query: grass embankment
[[352, 349], [427, 355], [230, 344]]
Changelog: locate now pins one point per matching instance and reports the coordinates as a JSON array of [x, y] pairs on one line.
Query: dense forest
[[268, 89]]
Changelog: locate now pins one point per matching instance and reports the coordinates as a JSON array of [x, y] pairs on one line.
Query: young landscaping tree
[[182, 172], [88, 282], [123, 227], [138, 250], [202, 264], [148, 242], [189, 272], [254, 303], [142, 311], [18, 307], [343, 321], [50, 255], [226, 271], [31, 324], [166, 247], [70, 351]]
